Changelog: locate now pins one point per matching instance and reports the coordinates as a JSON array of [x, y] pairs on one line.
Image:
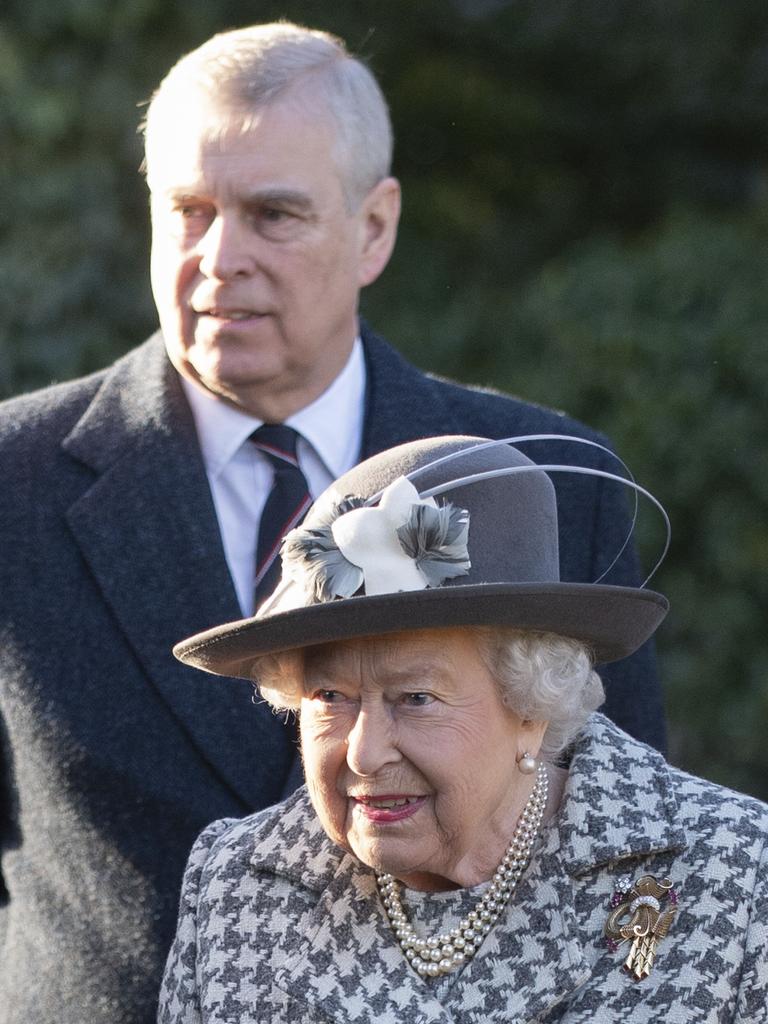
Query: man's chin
[[235, 375]]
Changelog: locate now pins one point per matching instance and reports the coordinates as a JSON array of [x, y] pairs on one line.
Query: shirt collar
[[332, 424]]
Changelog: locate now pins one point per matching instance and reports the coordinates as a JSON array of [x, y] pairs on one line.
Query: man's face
[[256, 260]]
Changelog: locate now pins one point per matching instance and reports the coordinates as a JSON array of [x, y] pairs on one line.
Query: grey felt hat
[[378, 554]]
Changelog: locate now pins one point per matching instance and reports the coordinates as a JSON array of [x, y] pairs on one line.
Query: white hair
[[540, 677], [242, 71], [543, 677]]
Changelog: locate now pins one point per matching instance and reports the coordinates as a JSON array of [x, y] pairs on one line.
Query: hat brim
[[612, 621]]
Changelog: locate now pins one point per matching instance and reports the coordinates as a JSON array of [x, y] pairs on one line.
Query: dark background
[[584, 224]]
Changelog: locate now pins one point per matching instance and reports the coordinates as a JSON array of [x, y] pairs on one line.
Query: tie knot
[[278, 443]]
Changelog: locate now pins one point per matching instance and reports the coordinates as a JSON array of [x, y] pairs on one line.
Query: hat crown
[[512, 536]]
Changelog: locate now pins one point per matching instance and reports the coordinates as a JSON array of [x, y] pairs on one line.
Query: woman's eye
[[328, 696], [417, 699]]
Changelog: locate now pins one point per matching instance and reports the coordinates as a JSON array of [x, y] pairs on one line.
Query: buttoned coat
[[114, 755], [278, 924]]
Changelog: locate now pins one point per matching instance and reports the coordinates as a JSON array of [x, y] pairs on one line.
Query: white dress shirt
[[240, 476]]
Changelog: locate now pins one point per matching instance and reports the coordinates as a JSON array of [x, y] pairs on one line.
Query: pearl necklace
[[451, 950]]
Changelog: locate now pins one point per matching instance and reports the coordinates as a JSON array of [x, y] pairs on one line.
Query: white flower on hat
[[405, 542], [368, 538]]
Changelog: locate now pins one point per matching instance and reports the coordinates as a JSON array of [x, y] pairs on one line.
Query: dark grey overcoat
[[114, 756]]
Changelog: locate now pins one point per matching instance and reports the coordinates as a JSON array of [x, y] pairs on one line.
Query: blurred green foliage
[[584, 224]]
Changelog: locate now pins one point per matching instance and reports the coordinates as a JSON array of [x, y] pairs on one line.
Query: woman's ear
[[530, 738], [378, 215]]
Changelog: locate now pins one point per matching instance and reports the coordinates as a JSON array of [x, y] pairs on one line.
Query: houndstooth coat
[[278, 924]]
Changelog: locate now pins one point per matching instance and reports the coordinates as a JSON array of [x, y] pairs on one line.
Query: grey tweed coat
[[277, 924]]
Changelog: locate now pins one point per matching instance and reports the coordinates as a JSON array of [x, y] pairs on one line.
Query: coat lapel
[[401, 402], [619, 804], [147, 530]]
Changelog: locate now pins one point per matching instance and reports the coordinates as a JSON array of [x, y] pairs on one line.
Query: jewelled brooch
[[641, 913]]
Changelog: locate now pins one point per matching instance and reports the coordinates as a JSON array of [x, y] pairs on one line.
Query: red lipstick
[[387, 807]]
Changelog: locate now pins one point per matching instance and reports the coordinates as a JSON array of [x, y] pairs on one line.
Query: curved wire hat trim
[[577, 470]]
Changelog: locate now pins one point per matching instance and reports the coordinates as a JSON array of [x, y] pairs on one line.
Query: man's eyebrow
[[257, 197], [178, 195], [287, 196]]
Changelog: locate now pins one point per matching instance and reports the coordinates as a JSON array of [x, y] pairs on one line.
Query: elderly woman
[[474, 843]]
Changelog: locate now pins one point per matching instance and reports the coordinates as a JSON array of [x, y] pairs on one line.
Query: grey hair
[[540, 677], [279, 679], [543, 677], [242, 71]]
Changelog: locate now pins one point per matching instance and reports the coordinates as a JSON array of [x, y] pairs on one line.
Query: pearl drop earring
[[527, 764]]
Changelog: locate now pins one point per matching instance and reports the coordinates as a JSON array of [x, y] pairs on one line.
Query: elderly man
[[144, 503]]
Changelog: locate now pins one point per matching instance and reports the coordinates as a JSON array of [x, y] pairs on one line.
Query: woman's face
[[410, 756]]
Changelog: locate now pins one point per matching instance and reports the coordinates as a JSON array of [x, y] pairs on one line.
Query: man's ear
[[378, 215]]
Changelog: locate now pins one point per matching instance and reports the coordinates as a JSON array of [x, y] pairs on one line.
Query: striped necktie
[[286, 503]]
